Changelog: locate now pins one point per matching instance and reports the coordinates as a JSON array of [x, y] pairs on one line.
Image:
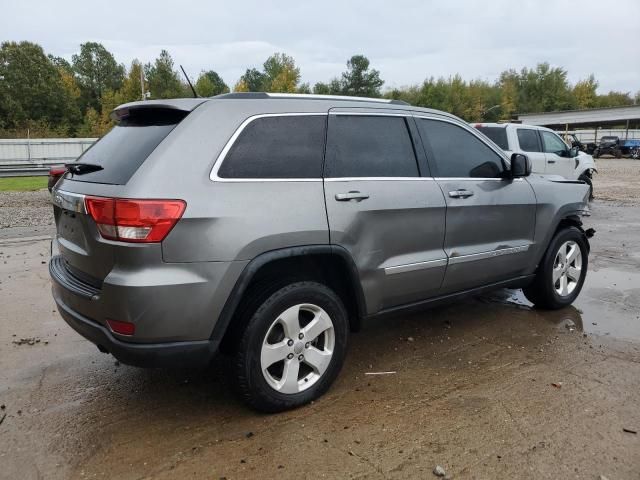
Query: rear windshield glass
[[497, 134], [121, 151]]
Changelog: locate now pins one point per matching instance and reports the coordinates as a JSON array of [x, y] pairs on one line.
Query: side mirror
[[520, 166], [573, 153]]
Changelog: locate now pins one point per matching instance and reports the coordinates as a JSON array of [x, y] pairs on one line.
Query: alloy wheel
[[297, 349], [567, 268]]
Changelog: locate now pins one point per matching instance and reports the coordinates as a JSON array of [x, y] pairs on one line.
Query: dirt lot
[[473, 390]]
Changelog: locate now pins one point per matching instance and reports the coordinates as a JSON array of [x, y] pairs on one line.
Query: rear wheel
[[292, 348], [596, 153], [562, 271]]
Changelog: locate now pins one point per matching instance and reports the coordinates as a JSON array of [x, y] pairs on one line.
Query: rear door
[[490, 220], [380, 209], [530, 144]]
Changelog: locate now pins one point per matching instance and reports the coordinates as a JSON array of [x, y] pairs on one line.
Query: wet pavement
[[486, 388]]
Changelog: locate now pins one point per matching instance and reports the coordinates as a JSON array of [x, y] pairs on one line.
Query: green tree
[[614, 99], [31, 89], [585, 93], [358, 80], [131, 90], [210, 84], [96, 70], [304, 88], [281, 74], [164, 81], [253, 80]]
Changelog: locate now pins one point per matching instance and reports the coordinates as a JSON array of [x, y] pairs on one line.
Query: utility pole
[[143, 96]]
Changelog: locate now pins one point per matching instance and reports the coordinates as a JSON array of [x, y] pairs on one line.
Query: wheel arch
[[571, 219], [330, 264]]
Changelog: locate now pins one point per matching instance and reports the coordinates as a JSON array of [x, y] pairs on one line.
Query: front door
[[389, 218], [557, 155], [490, 220]]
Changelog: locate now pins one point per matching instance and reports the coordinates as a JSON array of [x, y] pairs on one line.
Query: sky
[[407, 41]]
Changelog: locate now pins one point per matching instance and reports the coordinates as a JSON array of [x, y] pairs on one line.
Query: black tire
[[542, 291], [587, 179], [249, 380], [596, 153], [618, 153]]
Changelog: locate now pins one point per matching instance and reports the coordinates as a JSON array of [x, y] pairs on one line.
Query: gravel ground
[[25, 209], [618, 180]]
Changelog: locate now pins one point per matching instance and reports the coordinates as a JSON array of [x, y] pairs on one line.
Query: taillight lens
[[140, 221], [54, 175]]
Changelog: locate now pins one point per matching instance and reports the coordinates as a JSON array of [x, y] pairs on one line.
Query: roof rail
[[305, 96]]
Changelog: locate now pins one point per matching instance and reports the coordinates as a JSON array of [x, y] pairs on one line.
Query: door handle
[[551, 161], [461, 193], [352, 195]]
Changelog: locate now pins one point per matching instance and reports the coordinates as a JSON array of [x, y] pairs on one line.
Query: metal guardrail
[[28, 171], [26, 157]]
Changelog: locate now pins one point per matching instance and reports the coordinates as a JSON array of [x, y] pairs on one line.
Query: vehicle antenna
[[195, 94]]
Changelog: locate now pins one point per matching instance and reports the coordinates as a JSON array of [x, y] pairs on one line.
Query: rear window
[[121, 151], [284, 146], [497, 134]]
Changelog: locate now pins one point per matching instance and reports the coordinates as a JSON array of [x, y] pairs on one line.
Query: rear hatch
[[85, 198]]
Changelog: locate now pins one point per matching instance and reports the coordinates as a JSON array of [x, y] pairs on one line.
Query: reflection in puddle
[[609, 304]]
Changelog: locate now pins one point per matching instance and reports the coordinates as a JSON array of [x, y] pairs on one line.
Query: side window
[[553, 143], [528, 140], [289, 146], [369, 146], [457, 152]]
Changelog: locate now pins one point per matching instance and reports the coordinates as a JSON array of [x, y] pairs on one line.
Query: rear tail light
[[54, 175], [123, 328], [139, 221]]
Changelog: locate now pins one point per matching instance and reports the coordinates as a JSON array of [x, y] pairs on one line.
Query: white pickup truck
[[547, 151]]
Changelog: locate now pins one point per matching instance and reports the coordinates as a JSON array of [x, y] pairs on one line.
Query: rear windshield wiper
[[82, 168]]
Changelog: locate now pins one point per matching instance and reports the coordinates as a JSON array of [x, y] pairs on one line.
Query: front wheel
[[562, 271], [292, 348]]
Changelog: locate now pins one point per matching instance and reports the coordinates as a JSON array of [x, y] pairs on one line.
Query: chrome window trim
[[411, 267], [213, 176], [385, 179], [490, 254], [68, 200], [495, 179]]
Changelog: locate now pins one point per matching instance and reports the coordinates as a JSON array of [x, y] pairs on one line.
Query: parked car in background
[[549, 154], [293, 220], [572, 140], [608, 145]]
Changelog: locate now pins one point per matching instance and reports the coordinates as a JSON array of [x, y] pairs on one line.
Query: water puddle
[[608, 305]]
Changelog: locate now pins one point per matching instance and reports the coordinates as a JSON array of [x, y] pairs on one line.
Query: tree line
[[49, 96]]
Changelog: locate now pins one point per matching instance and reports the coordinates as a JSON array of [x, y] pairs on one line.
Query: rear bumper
[[171, 354]]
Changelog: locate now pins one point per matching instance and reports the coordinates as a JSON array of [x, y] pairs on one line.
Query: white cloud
[[406, 40]]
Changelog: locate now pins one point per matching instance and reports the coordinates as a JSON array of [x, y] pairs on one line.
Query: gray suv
[[267, 227]]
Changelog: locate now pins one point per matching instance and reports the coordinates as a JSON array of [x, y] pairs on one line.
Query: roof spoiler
[[185, 105]]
